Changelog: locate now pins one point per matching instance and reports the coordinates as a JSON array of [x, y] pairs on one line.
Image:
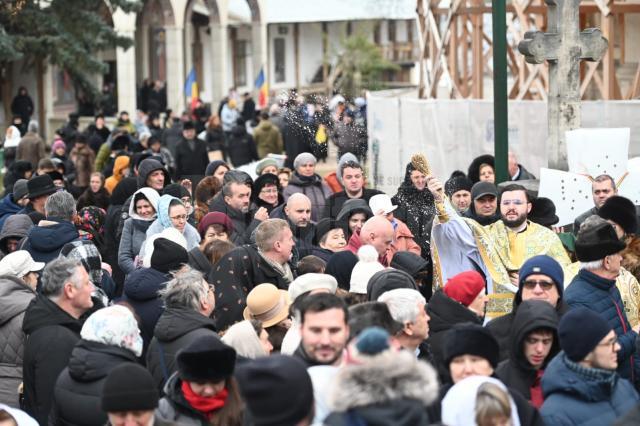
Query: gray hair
[[33, 126], [185, 290], [604, 178], [237, 177], [57, 273], [403, 303], [592, 265], [60, 205], [268, 232]]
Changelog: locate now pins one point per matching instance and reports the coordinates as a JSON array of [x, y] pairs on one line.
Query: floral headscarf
[[114, 326]]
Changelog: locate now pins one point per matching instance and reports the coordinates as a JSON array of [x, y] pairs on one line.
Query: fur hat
[[366, 267], [206, 359], [597, 242], [40, 185], [621, 211], [470, 339], [474, 167], [457, 183], [464, 287], [580, 331], [543, 212]]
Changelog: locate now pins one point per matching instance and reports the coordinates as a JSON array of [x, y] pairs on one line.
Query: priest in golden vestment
[[497, 250]]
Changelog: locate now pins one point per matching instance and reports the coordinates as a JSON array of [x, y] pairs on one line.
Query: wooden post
[[608, 64]]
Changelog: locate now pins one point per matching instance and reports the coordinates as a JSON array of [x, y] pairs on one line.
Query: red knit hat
[[464, 287]]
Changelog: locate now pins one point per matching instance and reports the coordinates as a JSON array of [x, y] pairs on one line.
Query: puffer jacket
[[141, 292], [516, 372], [177, 328], [394, 388], [16, 226], [15, 296], [51, 336], [77, 397], [7, 208], [313, 187], [575, 395], [119, 167], [602, 296], [45, 241], [445, 313]]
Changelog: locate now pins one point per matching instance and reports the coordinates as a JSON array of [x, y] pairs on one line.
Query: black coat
[[445, 313], [197, 260], [243, 223], [176, 329], [336, 201], [191, 161], [51, 336], [516, 372], [141, 292], [234, 276], [78, 391], [241, 147], [500, 327]]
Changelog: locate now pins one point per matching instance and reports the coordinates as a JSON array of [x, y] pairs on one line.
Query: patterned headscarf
[[114, 326], [91, 220]]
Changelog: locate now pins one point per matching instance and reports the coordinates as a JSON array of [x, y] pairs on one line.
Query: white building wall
[[285, 32], [310, 51]]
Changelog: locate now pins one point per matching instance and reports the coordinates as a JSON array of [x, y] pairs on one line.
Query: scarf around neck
[[204, 404]]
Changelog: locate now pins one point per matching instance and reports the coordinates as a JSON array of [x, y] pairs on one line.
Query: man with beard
[[484, 204], [324, 330], [353, 180], [497, 250]]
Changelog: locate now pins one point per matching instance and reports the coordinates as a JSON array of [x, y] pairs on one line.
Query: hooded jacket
[[7, 208], [445, 313], [78, 391], [575, 395], [482, 220], [15, 296], [52, 333], [164, 221], [243, 223], [146, 167], [45, 241], [393, 388], [16, 226], [177, 328], [141, 292], [134, 232], [268, 139], [120, 165], [416, 209], [517, 372], [313, 187]]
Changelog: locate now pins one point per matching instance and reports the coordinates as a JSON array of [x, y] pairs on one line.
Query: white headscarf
[[459, 404], [243, 338], [12, 137], [114, 326]]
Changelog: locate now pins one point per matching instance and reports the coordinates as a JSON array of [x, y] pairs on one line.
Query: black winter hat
[[168, 256], [352, 206], [176, 190], [598, 242], [480, 189], [388, 279], [325, 225], [188, 125], [470, 339], [277, 389], [543, 212], [474, 167], [340, 266], [457, 183], [580, 331], [622, 211], [40, 185], [206, 359], [409, 262], [120, 143], [129, 387]]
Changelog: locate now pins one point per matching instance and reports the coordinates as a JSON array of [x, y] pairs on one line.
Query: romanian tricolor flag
[[191, 88], [263, 89]]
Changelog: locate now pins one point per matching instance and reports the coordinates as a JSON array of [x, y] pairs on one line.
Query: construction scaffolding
[[455, 49]]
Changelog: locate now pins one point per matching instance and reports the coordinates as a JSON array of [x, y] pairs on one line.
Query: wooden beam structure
[[455, 50]]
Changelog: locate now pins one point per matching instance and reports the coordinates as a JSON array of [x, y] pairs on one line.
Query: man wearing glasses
[[497, 250], [580, 384], [598, 250]]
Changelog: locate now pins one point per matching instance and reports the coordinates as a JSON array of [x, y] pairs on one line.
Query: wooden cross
[[564, 46]]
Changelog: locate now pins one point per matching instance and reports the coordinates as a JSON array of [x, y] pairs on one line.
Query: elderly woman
[[249, 339], [305, 180], [18, 279], [109, 338], [203, 390], [173, 214], [142, 212]]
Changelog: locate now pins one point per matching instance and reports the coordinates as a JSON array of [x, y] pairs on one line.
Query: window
[[279, 56], [240, 63]]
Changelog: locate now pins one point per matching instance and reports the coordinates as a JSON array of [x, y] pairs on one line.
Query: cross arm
[[538, 47], [592, 44]]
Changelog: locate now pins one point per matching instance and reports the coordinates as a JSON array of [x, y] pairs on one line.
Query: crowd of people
[[146, 279]]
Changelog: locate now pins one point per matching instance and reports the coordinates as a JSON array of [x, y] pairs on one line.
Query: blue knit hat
[[580, 331], [544, 265]]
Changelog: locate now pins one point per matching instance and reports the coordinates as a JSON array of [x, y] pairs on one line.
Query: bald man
[[297, 212], [377, 232]]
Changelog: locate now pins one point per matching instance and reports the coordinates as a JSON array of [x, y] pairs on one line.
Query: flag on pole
[[263, 89], [191, 88]]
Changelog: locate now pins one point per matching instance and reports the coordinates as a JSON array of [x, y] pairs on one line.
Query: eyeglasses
[[269, 191], [612, 343], [531, 284], [510, 202], [182, 217]]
